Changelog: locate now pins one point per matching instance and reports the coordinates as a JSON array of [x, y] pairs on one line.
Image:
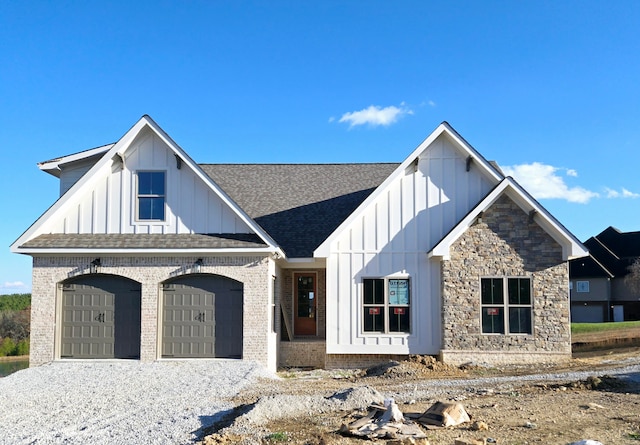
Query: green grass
[[278, 437], [587, 328]]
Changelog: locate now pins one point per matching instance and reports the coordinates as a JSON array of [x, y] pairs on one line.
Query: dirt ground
[[606, 409]]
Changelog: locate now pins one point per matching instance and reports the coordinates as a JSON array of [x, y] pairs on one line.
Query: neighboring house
[[149, 255], [598, 288]]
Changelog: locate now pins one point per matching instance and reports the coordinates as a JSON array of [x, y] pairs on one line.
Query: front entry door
[[305, 298]]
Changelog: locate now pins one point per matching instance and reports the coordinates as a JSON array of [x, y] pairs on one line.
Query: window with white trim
[[151, 196], [386, 305], [506, 305]]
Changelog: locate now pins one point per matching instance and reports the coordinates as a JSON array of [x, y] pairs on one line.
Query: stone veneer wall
[[150, 272], [506, 243]]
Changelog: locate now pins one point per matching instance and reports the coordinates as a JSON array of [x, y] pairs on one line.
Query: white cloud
[[545, 182], [375, 115], [624, 193], [13, 284]]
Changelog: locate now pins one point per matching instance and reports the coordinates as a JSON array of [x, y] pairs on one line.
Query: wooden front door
[[305, 307]]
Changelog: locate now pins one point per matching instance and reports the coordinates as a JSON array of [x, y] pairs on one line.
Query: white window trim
[[386, 305], [505, 305], [136, 199]]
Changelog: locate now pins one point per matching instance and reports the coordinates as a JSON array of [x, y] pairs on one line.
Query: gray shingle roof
[[613, 250], [299, 205], [144, 241]]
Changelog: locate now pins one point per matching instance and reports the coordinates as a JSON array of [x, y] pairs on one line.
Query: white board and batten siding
[[108, 203], [391, 238], [71, 174]]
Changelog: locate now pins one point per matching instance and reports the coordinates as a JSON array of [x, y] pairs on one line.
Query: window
[[511, 314], [386, 305], [151, 196], [582, 286]]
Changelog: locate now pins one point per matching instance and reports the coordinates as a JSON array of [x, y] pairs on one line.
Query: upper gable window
[[151, 195]]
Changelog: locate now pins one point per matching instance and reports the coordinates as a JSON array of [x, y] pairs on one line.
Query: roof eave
[[571, 247], [54, 166], [111, 251]]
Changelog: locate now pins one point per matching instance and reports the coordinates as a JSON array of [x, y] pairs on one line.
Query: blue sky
[[548, 89]]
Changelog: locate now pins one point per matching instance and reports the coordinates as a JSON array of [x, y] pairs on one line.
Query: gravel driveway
[[123, 402]]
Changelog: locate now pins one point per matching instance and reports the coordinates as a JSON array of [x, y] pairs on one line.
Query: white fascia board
[[571, 246], [119, 148], [324, 249], [470, 151], [53, 166]]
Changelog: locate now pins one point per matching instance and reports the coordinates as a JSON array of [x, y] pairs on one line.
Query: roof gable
[[588, 266], [622, 244], [410, 164], [614, 250], [571, 247], [116, 158]]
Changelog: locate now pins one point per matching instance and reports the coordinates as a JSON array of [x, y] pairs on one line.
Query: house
[[599, 291], [148, 255]]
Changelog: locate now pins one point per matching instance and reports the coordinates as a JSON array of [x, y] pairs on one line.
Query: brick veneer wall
[[150, 272], [302, 354], [505, 243]]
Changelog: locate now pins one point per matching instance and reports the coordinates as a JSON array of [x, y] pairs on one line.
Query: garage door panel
[[101, 318], [200, 305]]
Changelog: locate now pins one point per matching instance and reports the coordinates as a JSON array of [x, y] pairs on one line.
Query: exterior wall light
[[94, 266], [197, 266]]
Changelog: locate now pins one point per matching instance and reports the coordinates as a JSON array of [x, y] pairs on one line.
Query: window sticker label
[[398, 292]]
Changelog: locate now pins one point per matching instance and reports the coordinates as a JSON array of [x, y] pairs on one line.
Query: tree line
[[15, 324]]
